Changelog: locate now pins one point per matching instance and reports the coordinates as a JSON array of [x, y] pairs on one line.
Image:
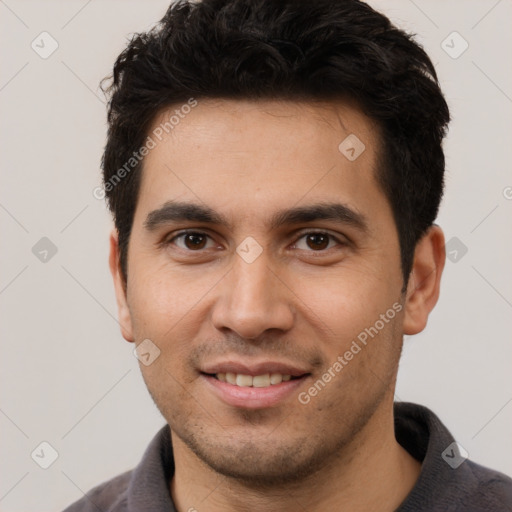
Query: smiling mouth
[[257, 381]]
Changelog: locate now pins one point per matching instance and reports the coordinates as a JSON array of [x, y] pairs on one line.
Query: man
[[274, 169]]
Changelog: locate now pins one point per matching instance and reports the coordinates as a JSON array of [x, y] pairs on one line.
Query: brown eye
[[194, 241], [190, 241], [317, 241]]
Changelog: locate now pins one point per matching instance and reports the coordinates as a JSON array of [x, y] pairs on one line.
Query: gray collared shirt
[[446, 483]]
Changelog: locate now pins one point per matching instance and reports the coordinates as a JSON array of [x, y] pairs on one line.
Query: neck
[[372, 473]]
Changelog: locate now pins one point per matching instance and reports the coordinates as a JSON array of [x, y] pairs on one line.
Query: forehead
[[246, 157]]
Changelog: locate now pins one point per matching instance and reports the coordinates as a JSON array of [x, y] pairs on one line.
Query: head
[[299, 143]]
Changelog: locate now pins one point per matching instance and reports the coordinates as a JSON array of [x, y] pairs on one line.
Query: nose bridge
[[252, 299], [252, 282]]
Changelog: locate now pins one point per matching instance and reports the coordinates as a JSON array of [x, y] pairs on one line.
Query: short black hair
[[285, 50]]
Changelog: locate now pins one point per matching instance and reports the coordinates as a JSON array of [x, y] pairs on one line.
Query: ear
[[424, 280], [125, 320]]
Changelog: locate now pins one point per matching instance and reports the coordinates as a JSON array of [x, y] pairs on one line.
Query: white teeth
[[243, 380], [259, 381], [276, 378]]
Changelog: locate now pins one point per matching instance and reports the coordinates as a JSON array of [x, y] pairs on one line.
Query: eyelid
[[339, 239], [168, 240]]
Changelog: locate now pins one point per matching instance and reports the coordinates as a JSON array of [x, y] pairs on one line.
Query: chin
[[263, 464]]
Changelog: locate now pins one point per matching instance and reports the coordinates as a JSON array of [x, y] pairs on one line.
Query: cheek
[[344, 303], [161, 295]]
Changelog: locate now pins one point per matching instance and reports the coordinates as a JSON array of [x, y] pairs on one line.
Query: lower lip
[[251, 397]]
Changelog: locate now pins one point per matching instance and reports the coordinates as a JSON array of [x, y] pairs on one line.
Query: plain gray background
[[67, 376]]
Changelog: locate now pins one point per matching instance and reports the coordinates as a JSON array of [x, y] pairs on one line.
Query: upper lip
[[253, 369]]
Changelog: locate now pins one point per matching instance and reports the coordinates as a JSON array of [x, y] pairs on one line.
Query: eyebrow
[[175, 211]]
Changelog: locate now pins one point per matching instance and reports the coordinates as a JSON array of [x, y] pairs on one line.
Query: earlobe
[[120, 289], [424, 281]]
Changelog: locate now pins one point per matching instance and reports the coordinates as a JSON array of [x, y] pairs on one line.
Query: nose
[[252, 299]]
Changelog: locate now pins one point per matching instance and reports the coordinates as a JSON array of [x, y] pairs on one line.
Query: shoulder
[[441, 486], [109, 496], [491, 489]]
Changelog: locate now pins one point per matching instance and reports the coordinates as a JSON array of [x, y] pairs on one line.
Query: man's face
[[255, 292]]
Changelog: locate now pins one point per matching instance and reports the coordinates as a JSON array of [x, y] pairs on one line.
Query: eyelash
[[182, 234]]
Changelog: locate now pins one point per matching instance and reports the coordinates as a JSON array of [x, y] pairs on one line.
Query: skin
[[299, 302]]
